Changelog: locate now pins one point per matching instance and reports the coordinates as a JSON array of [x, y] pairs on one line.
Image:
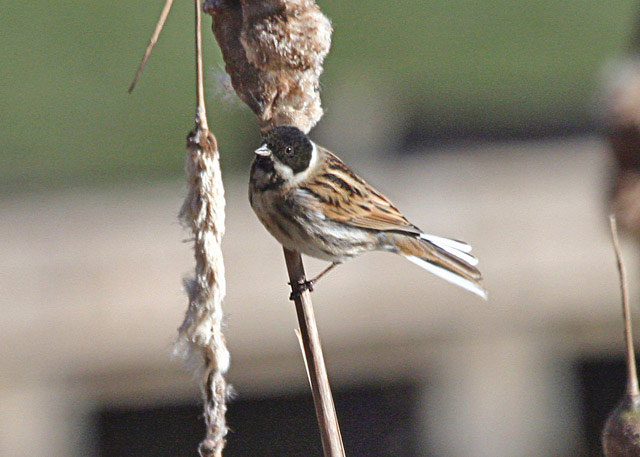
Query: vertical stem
[[320, 388], [201, 114], [632, 374]]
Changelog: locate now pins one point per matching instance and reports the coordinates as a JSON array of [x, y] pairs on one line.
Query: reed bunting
[[310, 201]]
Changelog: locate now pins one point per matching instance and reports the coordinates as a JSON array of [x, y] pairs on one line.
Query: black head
[[290, 146]]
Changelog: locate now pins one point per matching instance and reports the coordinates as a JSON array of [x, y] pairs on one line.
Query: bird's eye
[[289, 150]]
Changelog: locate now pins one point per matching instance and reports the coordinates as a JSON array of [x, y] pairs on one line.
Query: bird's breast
[[293, 218], [263, 176]]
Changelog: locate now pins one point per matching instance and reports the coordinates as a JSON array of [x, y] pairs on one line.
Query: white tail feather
[[450, 246], [471, 260], [448, 276], [441, 241]]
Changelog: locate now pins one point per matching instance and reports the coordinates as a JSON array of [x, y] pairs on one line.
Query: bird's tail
[[449, 259]]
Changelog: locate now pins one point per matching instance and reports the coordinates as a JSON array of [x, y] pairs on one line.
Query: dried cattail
[[621, 113], [621, 434], [200, 336], [274, 52], [294, 35], [625, 202]]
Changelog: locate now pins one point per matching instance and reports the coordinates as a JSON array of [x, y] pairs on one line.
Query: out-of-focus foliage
[[65, 68]]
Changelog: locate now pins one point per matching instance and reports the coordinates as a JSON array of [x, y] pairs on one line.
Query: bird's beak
[[263, 151]]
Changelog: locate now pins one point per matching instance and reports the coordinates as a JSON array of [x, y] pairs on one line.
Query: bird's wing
[[341, 195]]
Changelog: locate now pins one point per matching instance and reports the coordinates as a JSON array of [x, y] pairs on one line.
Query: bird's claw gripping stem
[[298, 287]]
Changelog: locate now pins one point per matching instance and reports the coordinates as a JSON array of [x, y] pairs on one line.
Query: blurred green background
[[68, 120]]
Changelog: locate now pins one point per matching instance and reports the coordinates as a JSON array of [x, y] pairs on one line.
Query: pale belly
[[309, 232]]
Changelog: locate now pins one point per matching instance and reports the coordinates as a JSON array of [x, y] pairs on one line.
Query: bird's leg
[[308, 285], [322, 273]]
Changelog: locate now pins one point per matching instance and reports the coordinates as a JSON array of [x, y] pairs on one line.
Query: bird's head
[[288, 146]]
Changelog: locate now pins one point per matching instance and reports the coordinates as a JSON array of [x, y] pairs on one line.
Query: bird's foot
[[298, 287]]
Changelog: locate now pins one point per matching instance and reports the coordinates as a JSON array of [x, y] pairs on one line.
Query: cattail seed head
[[274, 51], [621, 434]]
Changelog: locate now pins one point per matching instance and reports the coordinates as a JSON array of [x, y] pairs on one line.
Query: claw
[[298, 287]]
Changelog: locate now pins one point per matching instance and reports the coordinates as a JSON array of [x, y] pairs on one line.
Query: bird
[[311, 202]]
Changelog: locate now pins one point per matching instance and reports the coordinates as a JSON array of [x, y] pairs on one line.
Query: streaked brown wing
[[343, 196]]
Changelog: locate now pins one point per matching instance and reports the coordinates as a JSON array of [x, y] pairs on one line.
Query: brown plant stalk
[[621, 432], [314, 359], [152, 42], [632, 375]]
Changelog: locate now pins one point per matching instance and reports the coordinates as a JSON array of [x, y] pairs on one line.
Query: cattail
[[274, 51], [200, 337], [621, 117]]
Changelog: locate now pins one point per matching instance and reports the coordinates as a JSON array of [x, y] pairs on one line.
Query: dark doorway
[[376, 421], [602, 383]]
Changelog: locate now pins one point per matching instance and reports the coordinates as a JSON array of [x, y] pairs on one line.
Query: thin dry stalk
[[314, 359], [201, 111], [621, 432], [200, 335], [154, 39], [632, 374]]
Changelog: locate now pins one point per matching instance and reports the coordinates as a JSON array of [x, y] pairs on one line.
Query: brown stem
[[632, 375], [152, 42], [320, 388], [201, 113]]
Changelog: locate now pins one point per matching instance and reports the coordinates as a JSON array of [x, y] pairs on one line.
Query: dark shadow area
[[602, 384], [428, 130], [378, 421]]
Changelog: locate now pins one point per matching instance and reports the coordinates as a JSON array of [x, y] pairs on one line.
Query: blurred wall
[[92, 300]]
